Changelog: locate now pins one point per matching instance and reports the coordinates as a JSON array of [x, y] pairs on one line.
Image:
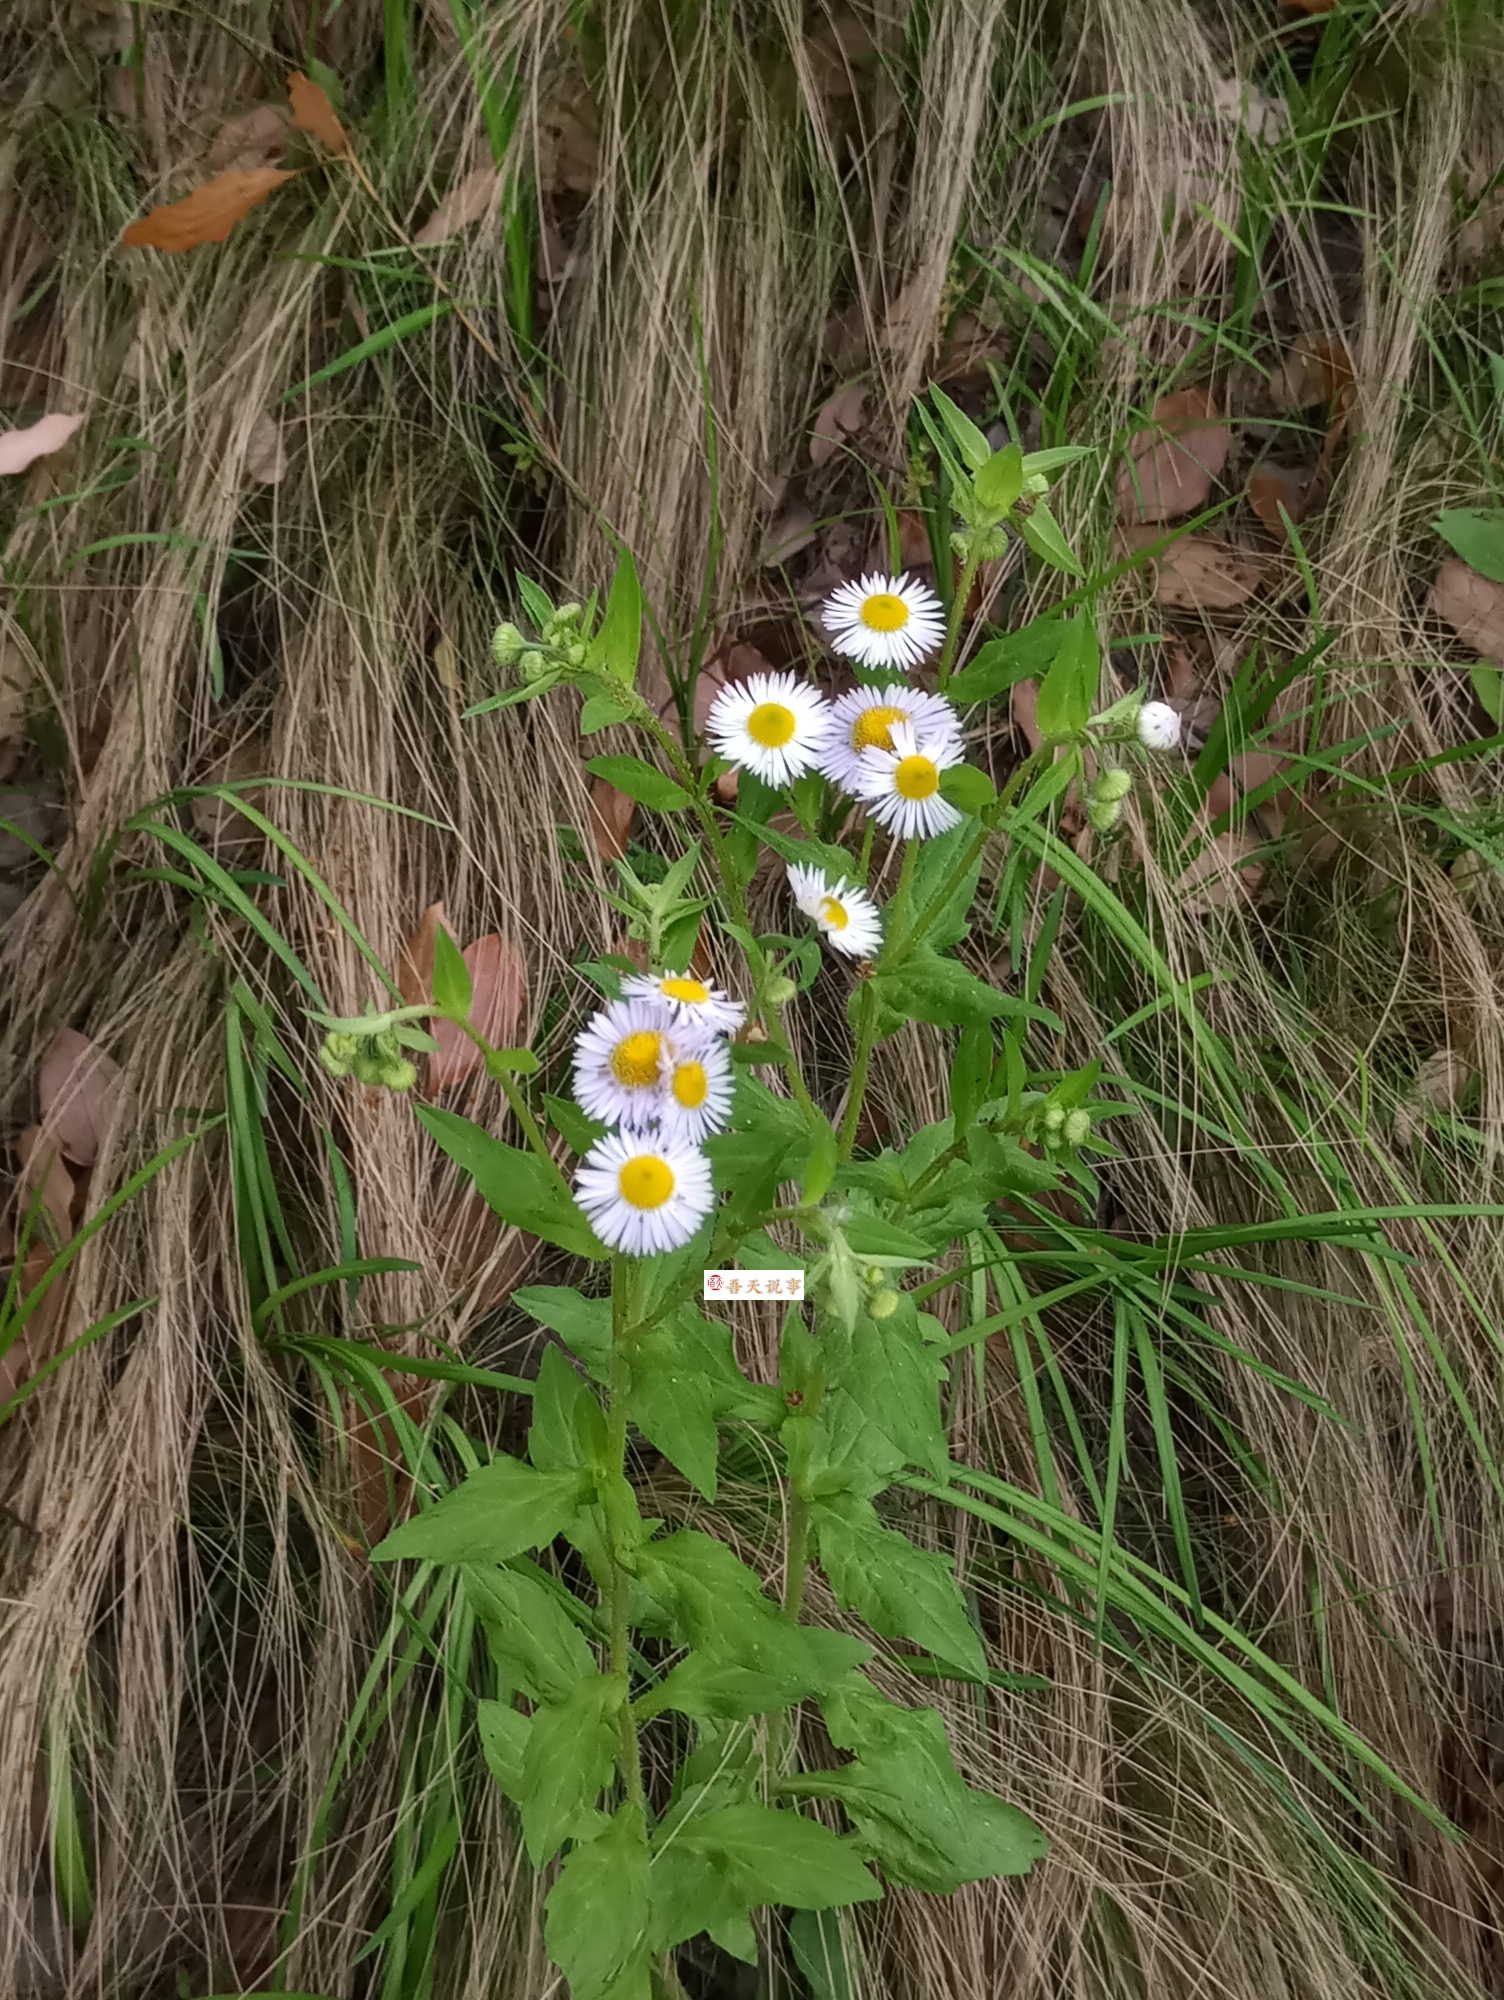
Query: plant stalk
[[629, 1754]]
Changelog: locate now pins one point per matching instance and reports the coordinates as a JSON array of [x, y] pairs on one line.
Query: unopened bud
[[1077, 1128], [1054, 1117], [577, 653], [1113, 785], [781, 992], [401, 1075], [338, 1053], [883, 1304], [506, 643], [569, 614], [532, 665]]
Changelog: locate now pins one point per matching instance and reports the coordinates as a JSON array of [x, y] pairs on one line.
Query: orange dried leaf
[[78, 1089], [471, 201], [1199, 573], [498, 994], [46, 1184], [611, 816], [312, 112], [1274, 487], [208, 214], [415, 961], [1472, 605], [1175, 461]]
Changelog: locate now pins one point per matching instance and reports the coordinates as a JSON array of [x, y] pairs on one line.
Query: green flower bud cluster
[[373, 1059], [560, 647], [1104, 802], [980, 544], [1059, 1127]]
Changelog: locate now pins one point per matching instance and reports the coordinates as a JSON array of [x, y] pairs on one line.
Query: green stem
[[629, 1756], [861, 1063], [953, 624]]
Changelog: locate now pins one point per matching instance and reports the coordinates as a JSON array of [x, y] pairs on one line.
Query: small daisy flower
[[690, 1003], [644, 1195], [901, 786], [884, 621], [864, 720], [1158, 726], [773, 725], [845, 915], [619, 1063], [696, 1099]]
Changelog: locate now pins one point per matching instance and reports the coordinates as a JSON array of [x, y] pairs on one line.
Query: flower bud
[[781, 992], [401, 1074], [569, 614], [506, 643], [369, 1067], [532, 666], [577, 653], [338, 1053], [1053, 1117], [1077, 1128], [883, 1304], [1158, 726], [1104, 802]]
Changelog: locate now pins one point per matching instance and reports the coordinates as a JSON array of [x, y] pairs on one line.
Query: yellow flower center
[[636, 1059], [693, 990], [835, 916], [873, 728], [646, 1181], [771, 724], [690, 1085], [883, 612], [916, 778]]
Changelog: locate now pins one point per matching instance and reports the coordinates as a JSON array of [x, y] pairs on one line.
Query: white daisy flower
[[901, 786], [644, 1195], [773, 725], [619, 1063], [696, 1099], [1158, 726], [864, 719], [845, 915], [884, 621], [690, 1003]]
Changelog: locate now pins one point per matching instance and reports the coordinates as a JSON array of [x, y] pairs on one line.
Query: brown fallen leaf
[[838, 418], [19, 449], [253, 138], [1472, 605], [1198, 572], [1218, 877], [611, 816], [224, 828], [1317, 369], [568, 142], [474, 197], [15, 693], [793, 530], [208, 214], [78, 1089], [1274, 487], [1176, 460], [415, 960], [498, 986], [312, 112], [265, 454], [44, 1180], [1437, 1086]]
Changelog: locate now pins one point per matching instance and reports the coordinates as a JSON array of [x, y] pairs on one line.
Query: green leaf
[[691, 1892], [820, 1164], [618, 643], [1000, 481], [570, 1755], [719, 1606], [451, 975], [970, 442], [1004, 661], [941, 880], [875, 1236], [894, 1380], [517, 1185], [1054, 456], [503, 1742], [584, 1325], [580, 1133], [967, 788], [918, 1818], [535, 603], [640, 781], [707, 1684], [600, 711], [1488, 685], [1477, 535], [927, 987], [902, 1591], [512, 1062], [530, 691], [839, 1450], [1002, 1167], [535, 1643], [1041, 531], [1067, 690], [673, 1405], [597, 1914], [820, 1954], [568, 1430], [781, 1857], [501, 1510], [809, 853]]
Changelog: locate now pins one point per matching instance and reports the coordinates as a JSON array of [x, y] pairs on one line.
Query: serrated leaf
[[503, 1742], [531, 1637], [902, 1591], [567, 1762], [502, 1509], [839, 1450], [927, 987], [718, 1604], [597, 1914], [515, 1184], [600, 711], [690, 1892], [709, 1684], [673, 1405], [781, 1857], [568, 1429], [584, 1325], [640, 781], [894, 1380]]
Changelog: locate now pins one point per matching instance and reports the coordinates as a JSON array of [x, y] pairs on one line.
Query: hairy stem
[[629, 1755], [953, 623]]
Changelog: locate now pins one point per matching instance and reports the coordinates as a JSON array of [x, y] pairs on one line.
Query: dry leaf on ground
[[208, 214], [472, 199], [253, 139], [1198, 572], [1176, 460], [1265, 118], [1317, 369], [1274, 487], [44, 1173], [19, 449], [265, 453], [611, 816], [792, 531], [1439, 1083], [78, 1089], [224, 828], [1472, 605], [498, 994], [838, 418], [415, 960], [569, 146], [312, 112], [1218, 876]]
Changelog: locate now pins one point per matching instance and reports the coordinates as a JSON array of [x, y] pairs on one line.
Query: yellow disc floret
[[771, 725], [873, 728], [645, 1181], [690, 1085], [883, 612], [916, 778], [637, 1058], [835, 916], [695, 991]]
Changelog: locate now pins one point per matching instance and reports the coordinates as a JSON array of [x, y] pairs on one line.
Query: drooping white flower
[[845, 915], [697, 1090], [644, 1195], [1158, 726], [863, 719], [884, 621], [689, 1002], [619, 1063], [901, 786], [773, 725]]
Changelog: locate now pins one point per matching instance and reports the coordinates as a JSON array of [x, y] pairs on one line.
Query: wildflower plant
[[644, 1713]]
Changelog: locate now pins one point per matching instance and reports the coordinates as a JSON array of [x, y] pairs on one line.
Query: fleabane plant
[[645, 1725]]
